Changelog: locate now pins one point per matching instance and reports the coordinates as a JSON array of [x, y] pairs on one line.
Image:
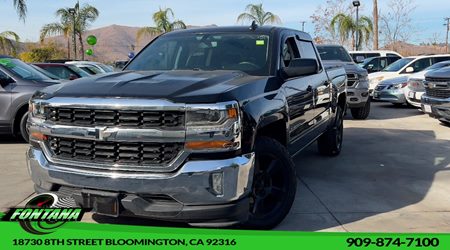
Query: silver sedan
[[392, 90]]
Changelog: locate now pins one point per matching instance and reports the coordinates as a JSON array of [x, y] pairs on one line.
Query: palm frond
[[21, 8]]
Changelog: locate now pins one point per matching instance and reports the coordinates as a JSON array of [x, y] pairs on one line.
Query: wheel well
[[275, 130], [19, 114]]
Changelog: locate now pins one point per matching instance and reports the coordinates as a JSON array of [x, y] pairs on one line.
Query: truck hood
[[350, 67], [180, 86]]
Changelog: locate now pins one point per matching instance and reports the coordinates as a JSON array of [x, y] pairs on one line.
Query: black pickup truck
[[200, 127]]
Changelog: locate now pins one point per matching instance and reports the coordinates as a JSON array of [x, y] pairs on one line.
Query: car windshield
[[366, 61], [398, 65], [79, 71], [334, 53], [105, 68], [90, 69], [438, 65], [23, 70], [247, 52], [52, 76]]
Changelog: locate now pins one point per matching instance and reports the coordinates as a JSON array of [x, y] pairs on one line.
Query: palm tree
[[7, 45], [52, 29], [347, 27], [75, 24], [163, 24], [375, 24], [21, 8], [84, 17], [255, 12]]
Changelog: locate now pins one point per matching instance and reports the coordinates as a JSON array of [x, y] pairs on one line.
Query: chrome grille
[[117, 118], [438, 92], [352, 79], [136, 154]]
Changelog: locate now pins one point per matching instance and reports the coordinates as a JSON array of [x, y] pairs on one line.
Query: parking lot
[[393, 175]]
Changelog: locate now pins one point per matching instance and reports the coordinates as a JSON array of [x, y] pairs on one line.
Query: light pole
[[447, 29], [303, 25], [357, 4], [72, 12]]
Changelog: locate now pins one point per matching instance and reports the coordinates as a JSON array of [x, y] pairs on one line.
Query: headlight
[[36, 109], [363, 77], [399, 85], [213, 127]]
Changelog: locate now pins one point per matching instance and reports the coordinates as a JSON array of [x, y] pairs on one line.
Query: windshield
[[90, 69], [248, 52], [366, 61], [79, 71], [23, 70], [52, 76], [438, 65], [105, 68], [334, 53], [398, 65]]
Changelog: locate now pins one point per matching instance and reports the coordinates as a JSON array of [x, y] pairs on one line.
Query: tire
[[361, 113], [274, 185], [23, 127], [330, 143]]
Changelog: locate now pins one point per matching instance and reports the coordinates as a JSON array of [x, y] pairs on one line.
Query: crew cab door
[[5, 97], [301, 94]]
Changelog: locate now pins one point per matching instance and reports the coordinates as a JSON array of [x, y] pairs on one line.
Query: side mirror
[[5, 81], [73, 77], [359, 59], [409, 70], [300, 67]]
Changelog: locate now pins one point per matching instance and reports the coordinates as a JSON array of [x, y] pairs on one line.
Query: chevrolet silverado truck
[[200, 127], [436, 100], [358, 99]]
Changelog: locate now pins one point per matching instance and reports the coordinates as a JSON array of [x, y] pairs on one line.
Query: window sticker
[[7, 63], [260, 42]]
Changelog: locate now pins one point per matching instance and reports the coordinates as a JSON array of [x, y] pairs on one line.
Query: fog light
[[217, 183]]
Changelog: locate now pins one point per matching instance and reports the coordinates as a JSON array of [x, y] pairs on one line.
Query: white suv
[[404, 67], [360, 55]]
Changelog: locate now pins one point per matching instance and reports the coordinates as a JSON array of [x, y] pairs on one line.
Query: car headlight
[[36, 109], [363, 77], [399, 85], [213, 127]]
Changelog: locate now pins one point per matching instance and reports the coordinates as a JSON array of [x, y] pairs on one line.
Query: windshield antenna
[[253, 26]]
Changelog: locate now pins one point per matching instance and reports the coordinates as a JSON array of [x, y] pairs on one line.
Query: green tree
[[42, 53], [163, 24], [21, 8], [347, 27], [80, 21], [7, 45], [255, 12]]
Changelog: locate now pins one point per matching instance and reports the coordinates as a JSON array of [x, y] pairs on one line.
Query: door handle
[[309, 88]]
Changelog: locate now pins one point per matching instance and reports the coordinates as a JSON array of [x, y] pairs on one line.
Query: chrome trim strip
[[113, 103]]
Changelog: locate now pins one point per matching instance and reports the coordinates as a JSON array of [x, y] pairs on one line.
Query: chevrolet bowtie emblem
[[104, 133]]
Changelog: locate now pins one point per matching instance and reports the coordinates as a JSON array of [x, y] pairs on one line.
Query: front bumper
[[414, 97], [189, 188], [390, 95], [437, 108], [357, 97]]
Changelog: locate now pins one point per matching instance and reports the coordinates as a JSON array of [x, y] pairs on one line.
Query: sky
[[427, 17]]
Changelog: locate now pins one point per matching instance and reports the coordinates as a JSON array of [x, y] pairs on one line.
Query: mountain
[[114, 42]]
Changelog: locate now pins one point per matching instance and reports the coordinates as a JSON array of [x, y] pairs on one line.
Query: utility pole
[[356, 4], [303, 25], [72, 12], [447, 29]]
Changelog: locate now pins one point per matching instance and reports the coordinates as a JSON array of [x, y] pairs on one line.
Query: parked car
[[376, 64], [18, 82], [392, 90], [404, 67], [202, 133], [415, 88], [360, 56], [48, 74], [357, 85], [92, 68], [63, 71], [436, 100]]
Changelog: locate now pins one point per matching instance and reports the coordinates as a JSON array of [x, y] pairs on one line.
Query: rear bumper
[[188, 192], [437, 108]]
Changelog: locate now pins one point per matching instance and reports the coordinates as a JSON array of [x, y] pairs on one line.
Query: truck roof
[[230, 29]]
